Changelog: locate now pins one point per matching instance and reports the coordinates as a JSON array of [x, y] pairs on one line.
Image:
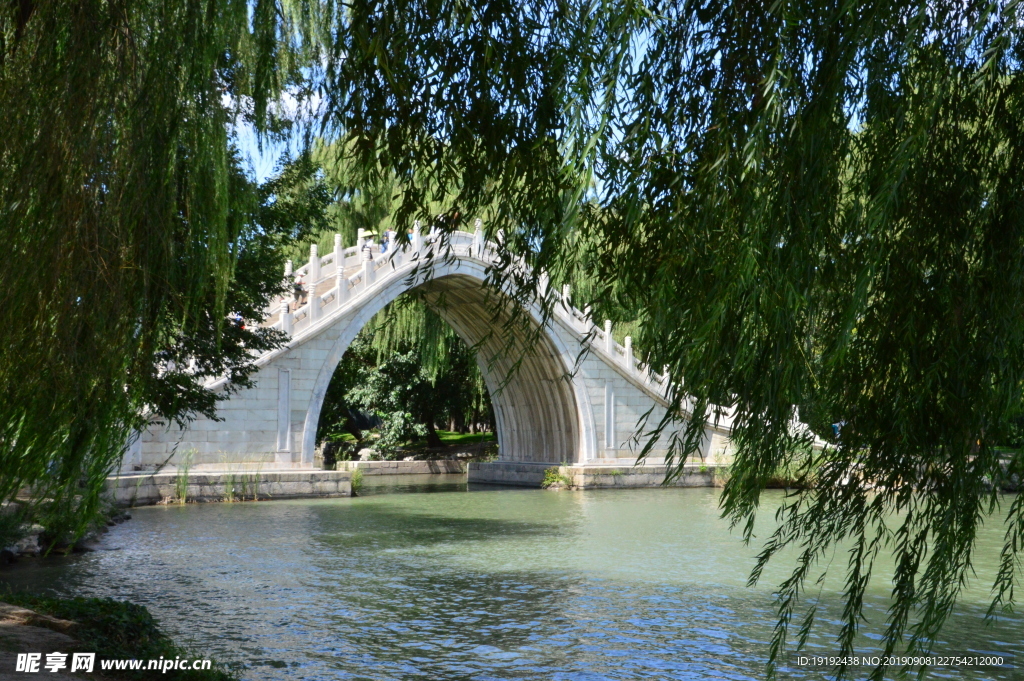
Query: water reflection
[[455, 585]]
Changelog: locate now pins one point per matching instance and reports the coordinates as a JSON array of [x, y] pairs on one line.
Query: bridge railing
[[357, 274]]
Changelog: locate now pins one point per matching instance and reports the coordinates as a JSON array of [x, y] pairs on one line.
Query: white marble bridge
[[553, 410]]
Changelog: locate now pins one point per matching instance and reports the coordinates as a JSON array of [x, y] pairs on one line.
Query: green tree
[[804, 203], [126, 220]]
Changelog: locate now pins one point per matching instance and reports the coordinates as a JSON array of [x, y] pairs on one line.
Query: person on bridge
[[389, 242], [366, 243], [299, 292]]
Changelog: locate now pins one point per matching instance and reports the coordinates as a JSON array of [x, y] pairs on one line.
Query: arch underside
[[535, 411]]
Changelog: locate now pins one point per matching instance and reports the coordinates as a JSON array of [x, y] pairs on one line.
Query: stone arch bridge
[[555, 409]]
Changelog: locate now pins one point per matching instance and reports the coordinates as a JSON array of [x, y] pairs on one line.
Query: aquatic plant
[[229, 487], [181, 476]]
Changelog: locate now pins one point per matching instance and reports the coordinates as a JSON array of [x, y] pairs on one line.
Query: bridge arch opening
[[537, 414]]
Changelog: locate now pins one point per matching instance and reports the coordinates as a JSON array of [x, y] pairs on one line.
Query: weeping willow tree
[[807, 203], [130, 230]]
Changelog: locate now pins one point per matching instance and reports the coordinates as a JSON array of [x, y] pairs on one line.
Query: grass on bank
[[451, 438], [119, 630]]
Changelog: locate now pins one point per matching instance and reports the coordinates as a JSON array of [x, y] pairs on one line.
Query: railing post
[[288, 279], [314, 303], [367, 266], [341, 286], [565, 296], [286, 318], [478, 240], [314, 265], [628, 355], [339, 254], [609, 342]]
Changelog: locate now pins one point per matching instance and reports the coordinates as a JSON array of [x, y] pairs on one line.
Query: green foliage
[[181, 477], [13, 520], [801, 203], [118, 630], [553, 477], [357, 480], [132, 231], [394, 390], [408, 368], [454, 438]]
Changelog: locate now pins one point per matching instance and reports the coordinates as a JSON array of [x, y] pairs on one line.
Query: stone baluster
[[286, 318], [478, 240], [339, 254], [314, 302], [287, 268], [565, 296], [314, 265], [609, 342], [627, 356], [367, 266], [341, 286]]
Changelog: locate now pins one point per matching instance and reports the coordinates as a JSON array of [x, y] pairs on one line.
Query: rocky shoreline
[[35, 540]]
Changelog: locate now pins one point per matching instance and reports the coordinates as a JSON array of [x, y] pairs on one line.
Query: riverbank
[[248, 483], [594, 476], [110, 630]]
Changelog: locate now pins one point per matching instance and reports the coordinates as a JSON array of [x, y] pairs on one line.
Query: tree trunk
[[432, 438], [350, 427]]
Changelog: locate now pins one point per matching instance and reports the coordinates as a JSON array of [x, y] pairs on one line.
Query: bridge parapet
[[358, 275]]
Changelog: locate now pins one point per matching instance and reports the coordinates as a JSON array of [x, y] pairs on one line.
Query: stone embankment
[[444, 466], [140, 489], [34, 540], [595, 476]]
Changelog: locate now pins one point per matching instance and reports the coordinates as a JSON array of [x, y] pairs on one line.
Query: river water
[[444, 582]]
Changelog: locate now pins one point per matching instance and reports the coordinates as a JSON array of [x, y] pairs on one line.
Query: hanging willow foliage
[[810, 203], [124, 216]]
